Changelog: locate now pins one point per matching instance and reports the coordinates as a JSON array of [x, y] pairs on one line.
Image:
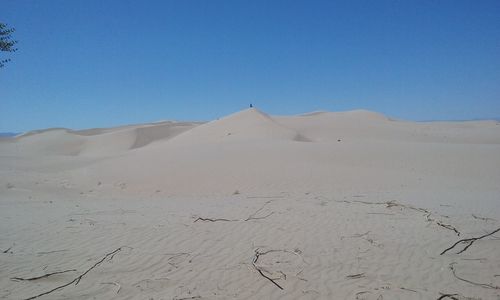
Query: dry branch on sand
[[115, 284], [393, 203], [253, 216], [264, 197], [482, 218], [40, 277], [187, 298], [355, 276], [50, 252], [250, 217], [407, 289], [470, 241], [213, 220], [357, 235], [484, 285], [7, 250], [455, 297], [260, 270], [450, 296], [448, 226], [77, 279]]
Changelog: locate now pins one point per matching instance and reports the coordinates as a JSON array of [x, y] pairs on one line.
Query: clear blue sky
[[101, 63]]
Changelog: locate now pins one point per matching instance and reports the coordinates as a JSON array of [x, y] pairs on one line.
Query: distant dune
[[324, 205], [7, 134], [251, 150]]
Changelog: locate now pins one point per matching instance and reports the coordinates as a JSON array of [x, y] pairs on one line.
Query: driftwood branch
[[469, 242], [40, 277], [77, 279], [254, 263], [484, 285]]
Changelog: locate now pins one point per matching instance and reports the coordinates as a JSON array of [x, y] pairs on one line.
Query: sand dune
[[247, 125], [92, 142], [250, 151], [327, 205], [361, 124]]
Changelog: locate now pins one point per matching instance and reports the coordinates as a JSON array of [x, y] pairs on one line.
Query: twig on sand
[[407, 289], [455, 297], [482, 218], [449, 227], [342, 201], [187, 298], [50, 252], [254, 263], [8, 250], [481, 260], [451, 296], [259, 218], [355, 276], [213, 220], [115, 284], [253, 216], [264, 197], [484, 285], [470, 241], [250, 217], [77, 279], [358, 294], [40, 277], [428, 217], [357, 235], [428, 214], [368, 202], [393, 203], [439, 223]]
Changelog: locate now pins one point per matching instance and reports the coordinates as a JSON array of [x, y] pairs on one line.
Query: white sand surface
[[326, 205]]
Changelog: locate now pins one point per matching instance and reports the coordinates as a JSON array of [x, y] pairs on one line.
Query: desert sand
[[325, 205]]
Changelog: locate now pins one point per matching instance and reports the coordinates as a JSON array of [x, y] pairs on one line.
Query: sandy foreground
[[349, 205]]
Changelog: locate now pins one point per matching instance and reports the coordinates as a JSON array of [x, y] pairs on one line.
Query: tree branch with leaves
[[6, 42]]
